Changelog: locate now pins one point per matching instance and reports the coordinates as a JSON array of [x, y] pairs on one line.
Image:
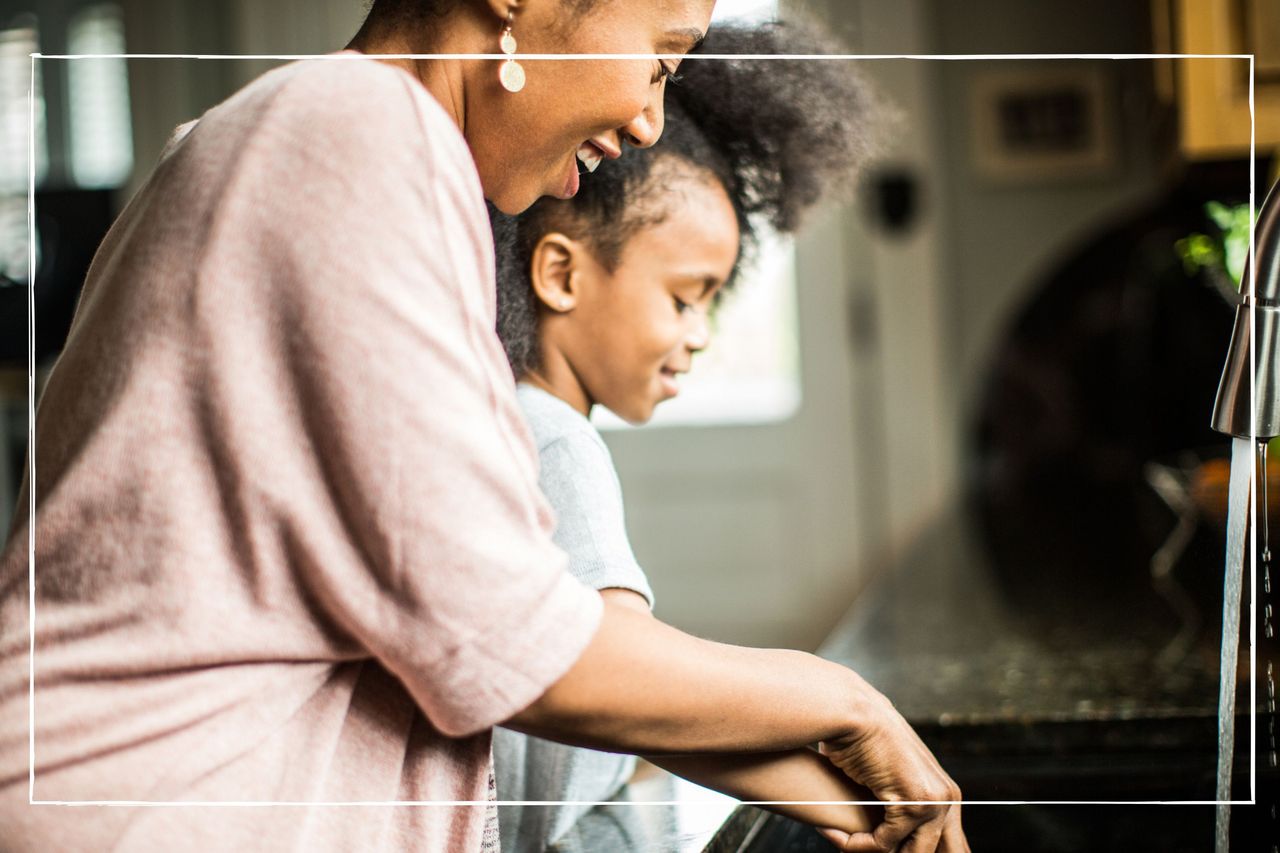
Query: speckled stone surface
[[938, 634], [1084, 708]]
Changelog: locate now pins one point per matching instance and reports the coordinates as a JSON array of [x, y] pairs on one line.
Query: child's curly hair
[[778, 134]]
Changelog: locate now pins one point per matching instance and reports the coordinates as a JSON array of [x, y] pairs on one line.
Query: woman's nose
[[644, 130]]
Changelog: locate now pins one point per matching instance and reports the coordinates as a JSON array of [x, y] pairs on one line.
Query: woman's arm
[[645, 687]]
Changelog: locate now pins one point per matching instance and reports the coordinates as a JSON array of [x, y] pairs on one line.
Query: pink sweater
[[290, 542]]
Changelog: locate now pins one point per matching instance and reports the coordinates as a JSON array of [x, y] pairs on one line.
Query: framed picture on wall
[[1038, 124]]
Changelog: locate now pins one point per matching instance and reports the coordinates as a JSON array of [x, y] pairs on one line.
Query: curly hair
[[780, 135]]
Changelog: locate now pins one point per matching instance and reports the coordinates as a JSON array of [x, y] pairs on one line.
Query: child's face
[[633, 331]]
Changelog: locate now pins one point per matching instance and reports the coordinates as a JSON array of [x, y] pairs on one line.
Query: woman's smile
[[590, 156]]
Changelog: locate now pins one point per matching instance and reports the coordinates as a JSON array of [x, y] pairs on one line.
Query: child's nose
[[699, 335]]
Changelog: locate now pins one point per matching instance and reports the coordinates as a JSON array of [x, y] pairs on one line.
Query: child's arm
[[799, 774]]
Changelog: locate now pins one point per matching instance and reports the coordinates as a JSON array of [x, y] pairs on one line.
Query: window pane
[[17, 43], [101, 141]]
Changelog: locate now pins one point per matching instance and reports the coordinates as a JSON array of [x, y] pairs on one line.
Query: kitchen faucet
[[1258, 312]]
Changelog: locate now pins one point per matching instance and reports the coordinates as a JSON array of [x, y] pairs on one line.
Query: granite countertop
[[936, 635], [1021, 706]]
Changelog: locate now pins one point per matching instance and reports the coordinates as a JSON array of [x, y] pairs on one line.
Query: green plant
[[1225, 251]]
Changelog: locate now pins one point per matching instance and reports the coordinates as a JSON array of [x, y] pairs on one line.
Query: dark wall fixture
[[893, 200], [70, 224]]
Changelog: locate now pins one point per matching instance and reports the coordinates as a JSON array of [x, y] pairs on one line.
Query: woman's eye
[[667, 70]]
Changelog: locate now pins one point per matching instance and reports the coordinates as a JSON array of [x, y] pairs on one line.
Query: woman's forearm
[[790, 777], [645, 687]]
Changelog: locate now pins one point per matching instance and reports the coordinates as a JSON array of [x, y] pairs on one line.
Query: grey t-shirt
[[579, 480]]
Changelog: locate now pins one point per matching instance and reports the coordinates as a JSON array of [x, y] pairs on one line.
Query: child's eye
[[681, 305]]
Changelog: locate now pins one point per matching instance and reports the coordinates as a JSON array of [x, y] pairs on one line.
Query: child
[[604, 299]]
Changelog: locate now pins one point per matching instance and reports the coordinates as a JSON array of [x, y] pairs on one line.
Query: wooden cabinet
[[1213, 94]]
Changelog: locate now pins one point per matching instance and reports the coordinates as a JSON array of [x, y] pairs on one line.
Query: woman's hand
[[888, 757]]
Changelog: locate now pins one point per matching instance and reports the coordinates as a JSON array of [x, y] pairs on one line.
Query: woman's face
[[632, 332], [526, 143]]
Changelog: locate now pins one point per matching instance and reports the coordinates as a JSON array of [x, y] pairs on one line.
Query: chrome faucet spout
[[1236, 412], [1266, 287]]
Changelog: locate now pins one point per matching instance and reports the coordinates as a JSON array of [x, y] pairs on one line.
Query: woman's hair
[[413, 11], [778, 134]]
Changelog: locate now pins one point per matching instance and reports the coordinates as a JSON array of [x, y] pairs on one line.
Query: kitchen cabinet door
[[1213, 93]]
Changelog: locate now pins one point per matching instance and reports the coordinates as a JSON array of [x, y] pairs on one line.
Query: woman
[[291, 547]]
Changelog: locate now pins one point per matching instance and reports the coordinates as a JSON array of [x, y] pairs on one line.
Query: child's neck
[[567, 389]]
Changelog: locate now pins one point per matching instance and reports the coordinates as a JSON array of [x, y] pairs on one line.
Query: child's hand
[[851, 843], [839, 838]]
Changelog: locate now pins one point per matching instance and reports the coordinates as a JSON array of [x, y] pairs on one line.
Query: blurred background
[[955, 435]]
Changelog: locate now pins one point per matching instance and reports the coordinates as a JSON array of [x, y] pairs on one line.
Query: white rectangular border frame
[[31, 427]]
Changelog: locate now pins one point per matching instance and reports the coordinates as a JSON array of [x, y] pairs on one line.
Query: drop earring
[[511, 74]]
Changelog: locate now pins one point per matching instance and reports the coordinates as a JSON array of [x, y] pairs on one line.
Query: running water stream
[[1268, 632], [1242, 468]]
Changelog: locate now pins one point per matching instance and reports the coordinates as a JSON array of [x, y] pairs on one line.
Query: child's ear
[[554, 271]]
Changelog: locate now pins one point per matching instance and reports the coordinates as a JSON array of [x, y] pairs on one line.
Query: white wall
[[905, 277]]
